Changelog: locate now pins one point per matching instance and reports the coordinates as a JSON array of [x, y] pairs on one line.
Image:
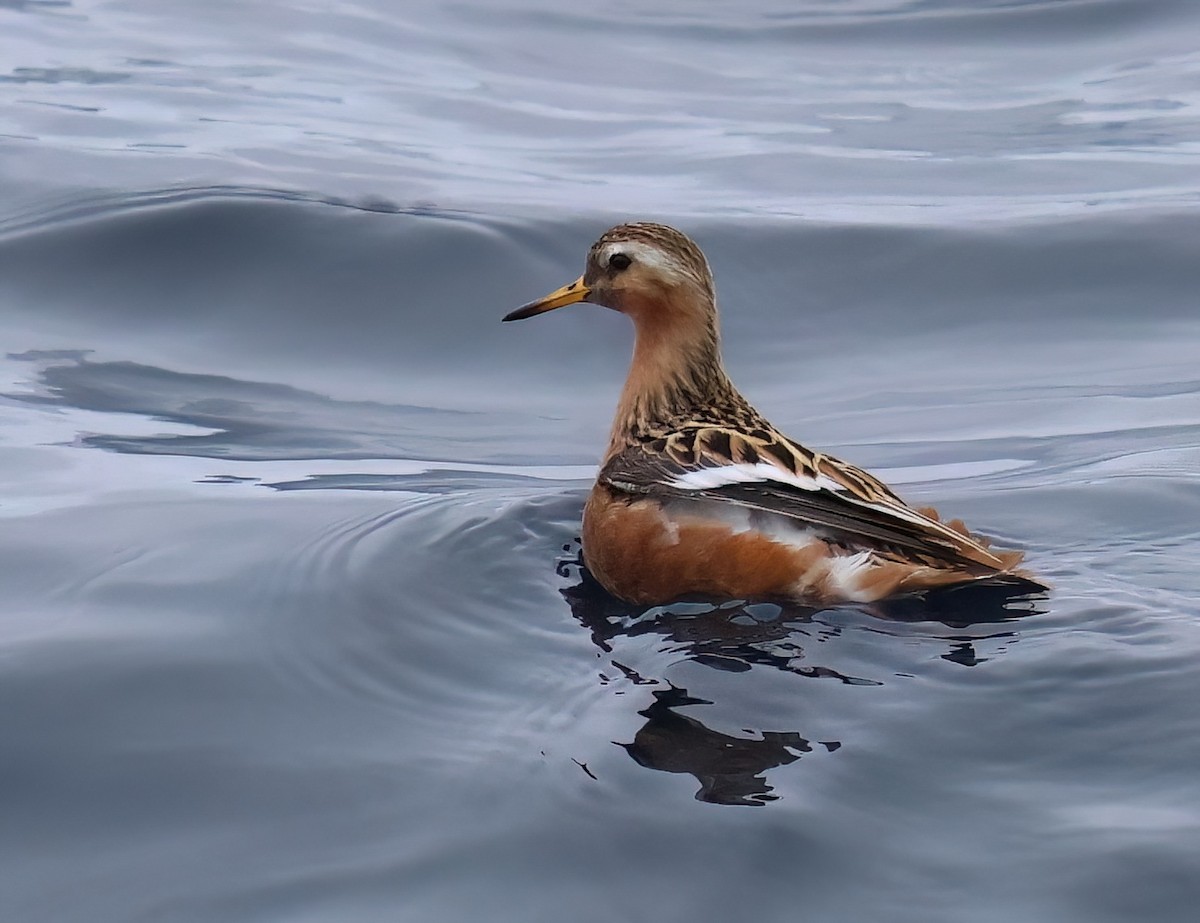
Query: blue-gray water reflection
[[294, 626]]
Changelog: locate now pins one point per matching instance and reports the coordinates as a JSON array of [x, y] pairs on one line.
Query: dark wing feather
[[883, 521]]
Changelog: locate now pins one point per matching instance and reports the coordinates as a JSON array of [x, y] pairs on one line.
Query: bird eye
[[619, 261]]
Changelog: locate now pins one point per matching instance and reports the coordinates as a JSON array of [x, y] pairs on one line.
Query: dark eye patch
[[619, 261]]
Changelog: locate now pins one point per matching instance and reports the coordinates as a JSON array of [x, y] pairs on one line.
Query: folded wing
[[777, 476]]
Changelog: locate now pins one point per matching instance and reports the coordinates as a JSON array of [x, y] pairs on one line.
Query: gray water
[[293, 625]]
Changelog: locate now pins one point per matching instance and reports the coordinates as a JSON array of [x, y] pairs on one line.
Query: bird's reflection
[[730, 769], [738, 636]]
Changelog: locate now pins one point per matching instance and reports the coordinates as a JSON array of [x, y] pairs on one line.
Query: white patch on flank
[[746, 473], [776, 527], [845, 571], [837, 575], [644, 254]]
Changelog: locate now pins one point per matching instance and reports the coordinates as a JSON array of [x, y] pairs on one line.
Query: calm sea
[[292, 628]]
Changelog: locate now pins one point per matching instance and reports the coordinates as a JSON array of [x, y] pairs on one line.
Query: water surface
[[295, 626]]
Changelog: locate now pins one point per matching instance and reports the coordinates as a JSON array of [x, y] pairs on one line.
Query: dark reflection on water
[[739, 635], [252, 420], [730, 770]]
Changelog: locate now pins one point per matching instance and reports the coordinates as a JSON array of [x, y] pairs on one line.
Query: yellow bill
[[559, 298]]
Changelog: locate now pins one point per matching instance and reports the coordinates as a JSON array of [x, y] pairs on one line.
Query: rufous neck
[[676, 369]]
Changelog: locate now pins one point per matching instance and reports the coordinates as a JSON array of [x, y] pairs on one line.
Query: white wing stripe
[[745, 473], [764, 472]]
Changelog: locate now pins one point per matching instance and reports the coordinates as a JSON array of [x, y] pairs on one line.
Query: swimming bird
[[698, 495]]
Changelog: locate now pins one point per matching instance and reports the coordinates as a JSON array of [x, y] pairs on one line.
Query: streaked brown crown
[[675, 245]]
